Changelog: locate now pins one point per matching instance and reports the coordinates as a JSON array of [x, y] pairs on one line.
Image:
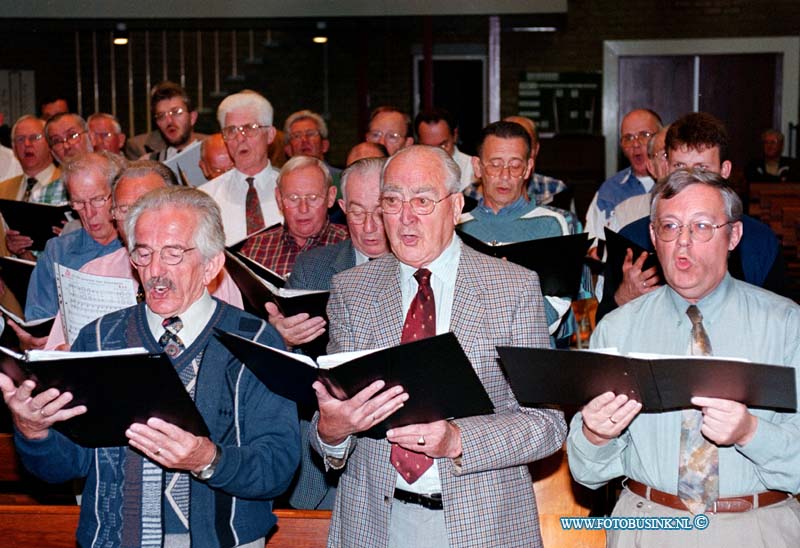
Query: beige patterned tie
[[698, 468]]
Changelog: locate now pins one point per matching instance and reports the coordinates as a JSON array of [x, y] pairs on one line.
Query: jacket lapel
[[386, 313], [468, 306]]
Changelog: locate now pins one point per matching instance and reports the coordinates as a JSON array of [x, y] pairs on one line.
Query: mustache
[[159, 280]]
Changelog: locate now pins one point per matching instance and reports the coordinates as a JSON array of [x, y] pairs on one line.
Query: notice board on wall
[[562, 102]]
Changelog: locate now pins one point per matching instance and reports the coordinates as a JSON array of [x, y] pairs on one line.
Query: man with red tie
[[463, 482]]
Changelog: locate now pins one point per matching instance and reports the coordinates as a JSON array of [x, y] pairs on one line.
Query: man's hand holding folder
[[34, 415]]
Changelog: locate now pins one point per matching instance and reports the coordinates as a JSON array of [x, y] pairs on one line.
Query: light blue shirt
[[742, 321]]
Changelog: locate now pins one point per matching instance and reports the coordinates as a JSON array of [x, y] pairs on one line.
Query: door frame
[[788, 46]]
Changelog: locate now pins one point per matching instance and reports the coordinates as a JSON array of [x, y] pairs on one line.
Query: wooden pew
[[557, 495]]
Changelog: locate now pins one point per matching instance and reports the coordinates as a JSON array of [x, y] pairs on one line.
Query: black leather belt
[[431, 502]]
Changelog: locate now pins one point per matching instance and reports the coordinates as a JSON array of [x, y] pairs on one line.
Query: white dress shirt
[[230, 192]]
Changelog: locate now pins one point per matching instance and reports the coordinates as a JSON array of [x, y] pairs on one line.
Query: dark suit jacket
[[488, 495], [314, 268]]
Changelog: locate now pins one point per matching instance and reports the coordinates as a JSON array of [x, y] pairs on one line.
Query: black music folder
[[568, 377], [258, 287], [33, 219], [118, 388], [16, 274], [435, 373], [558, 261], [617, 246]]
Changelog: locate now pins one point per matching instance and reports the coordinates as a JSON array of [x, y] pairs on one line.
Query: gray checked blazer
[[488, 498]]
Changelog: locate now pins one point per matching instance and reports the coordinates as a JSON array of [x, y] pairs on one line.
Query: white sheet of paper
[[82, 298]]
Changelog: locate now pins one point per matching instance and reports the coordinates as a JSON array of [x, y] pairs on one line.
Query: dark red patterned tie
[[420, 324], [252, 208]]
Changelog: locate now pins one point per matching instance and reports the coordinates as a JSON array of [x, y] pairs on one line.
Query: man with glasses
[[88, 179], [168, 487], [133, 182], [40, 180], [246, 194], [635, 131], [735, 465], [68, 136], [314, 269], [175, 118], [106, 133], [390, 127], [467, 465], [307, 135], [304, 192], [699, 140], [505, 213]]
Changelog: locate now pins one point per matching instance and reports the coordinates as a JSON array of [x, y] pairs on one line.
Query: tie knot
[[172, 324], [694, 314], [423, 277], [31, 181], [250, 181]]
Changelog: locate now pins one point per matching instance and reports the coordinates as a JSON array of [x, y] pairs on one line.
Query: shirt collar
[[510, 210], [710, 306], [444, 267], [44, 176], [258, 176], [288, 239], [195, 318]]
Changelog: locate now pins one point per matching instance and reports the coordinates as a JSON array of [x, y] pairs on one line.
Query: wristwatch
[[205, 473]]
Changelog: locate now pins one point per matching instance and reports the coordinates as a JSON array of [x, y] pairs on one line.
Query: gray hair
[[107, 164], [106, 116], [143, 168], [300, 162], [306, 114], [246, 100], [23, 118], [677, 181], [651, 143], [363, 167], [80, 121], [209, 236], [452, 173]]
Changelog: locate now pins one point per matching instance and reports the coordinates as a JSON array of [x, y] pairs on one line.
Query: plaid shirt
[[277, 249], [53, 193]]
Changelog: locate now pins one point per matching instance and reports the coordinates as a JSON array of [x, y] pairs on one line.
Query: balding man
[[133, 182], [40, 182], [636, 129], [304, 192], [390, 127], [467, 465], [88, 179], [105, 132], [364, 150], [167, 486], [68, 137]]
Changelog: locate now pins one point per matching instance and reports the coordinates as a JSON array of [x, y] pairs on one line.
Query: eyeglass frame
[[308, 134], [295, 199], [377, 134], [97, 201], [242, 130], [641, 137], [32, 138], [183, 251], [692, 232], [411, 205], [362, 214], [60, 141], [505, 166], [172, 113]]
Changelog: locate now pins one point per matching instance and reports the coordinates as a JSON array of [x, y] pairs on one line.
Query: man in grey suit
[[475, 489], [314, 489]]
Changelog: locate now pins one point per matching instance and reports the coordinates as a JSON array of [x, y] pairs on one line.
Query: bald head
[[366, 150], [214, 157]]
